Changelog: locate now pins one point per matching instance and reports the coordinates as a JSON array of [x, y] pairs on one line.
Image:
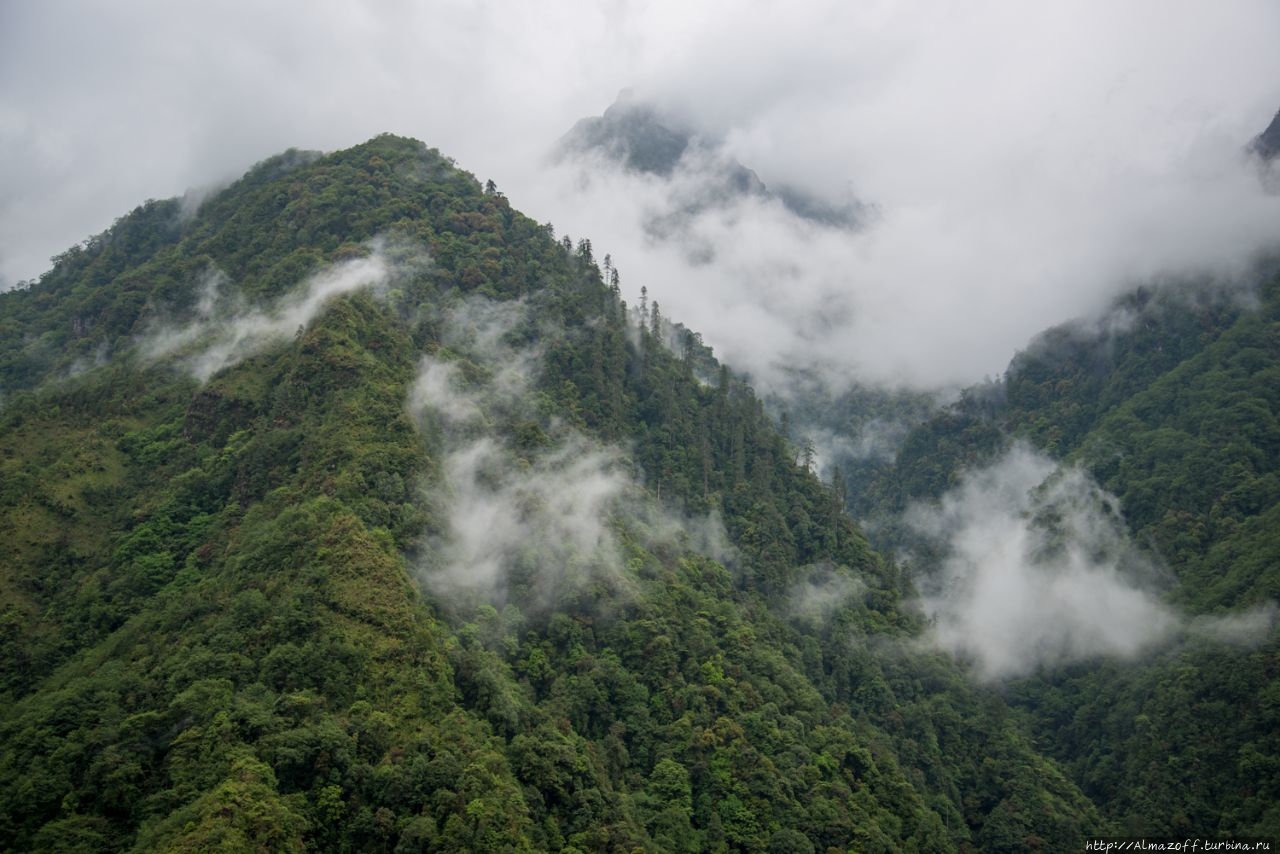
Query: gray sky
[[1027, 160]]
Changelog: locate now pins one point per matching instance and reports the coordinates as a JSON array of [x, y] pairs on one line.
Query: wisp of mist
[[225, 331], [1037, 570]]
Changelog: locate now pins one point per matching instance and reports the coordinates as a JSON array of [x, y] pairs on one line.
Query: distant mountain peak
[[1267, 144], [633, 133], [642, 137]]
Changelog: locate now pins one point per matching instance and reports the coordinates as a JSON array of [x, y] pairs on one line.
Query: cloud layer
[[527, 522], [1026, 160]]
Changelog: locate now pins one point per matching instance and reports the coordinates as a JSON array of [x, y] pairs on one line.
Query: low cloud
[[655, 526], [1036, 570], [821, 590], [1013, 185], [530, 509], [1027, 161], [1246, 628], [224, 330], [528, 516], [934, 291], [877, 439], [457, 406], [536, 532]]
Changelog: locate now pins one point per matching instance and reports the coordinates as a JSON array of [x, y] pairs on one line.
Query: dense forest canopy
[[1164, 412], [356, 510]]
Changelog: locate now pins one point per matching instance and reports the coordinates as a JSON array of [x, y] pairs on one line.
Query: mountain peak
[[1267, 144], [632, 132], [642, 137]]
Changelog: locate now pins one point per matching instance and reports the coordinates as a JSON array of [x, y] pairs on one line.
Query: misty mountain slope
[[354, 511], [855, 434], [1064, 386], [1193, 457], [634, 134], [1216, 415], [1177, 416], [642, 138], [1164, 415]]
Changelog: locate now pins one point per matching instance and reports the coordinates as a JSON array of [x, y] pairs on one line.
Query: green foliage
[[215, 640], [1172, 403]]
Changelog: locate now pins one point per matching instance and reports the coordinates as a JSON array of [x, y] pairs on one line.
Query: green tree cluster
[[214, 637], [1171, 402]]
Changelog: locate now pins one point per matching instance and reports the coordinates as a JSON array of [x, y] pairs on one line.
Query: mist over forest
[[1112, 154], [635, 427]]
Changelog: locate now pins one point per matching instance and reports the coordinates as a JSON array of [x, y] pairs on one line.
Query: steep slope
[[354, 511], [1170, 403]]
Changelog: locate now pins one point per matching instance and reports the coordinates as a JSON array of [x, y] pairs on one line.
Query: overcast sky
[[1026, 160]]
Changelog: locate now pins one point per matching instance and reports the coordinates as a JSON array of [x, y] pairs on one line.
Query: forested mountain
[[1169, 403], [355, 511]]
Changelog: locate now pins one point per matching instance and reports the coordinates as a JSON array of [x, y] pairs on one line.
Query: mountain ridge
[[1167, 402], [225, 623], [643, 139]]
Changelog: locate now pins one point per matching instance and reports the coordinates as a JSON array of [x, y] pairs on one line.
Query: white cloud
[[534, 522], [543, 526], [821, 590], [1036, 569], [1027, 163], [1246, 628], [1027, 160], [531, 523], [224, 331]]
